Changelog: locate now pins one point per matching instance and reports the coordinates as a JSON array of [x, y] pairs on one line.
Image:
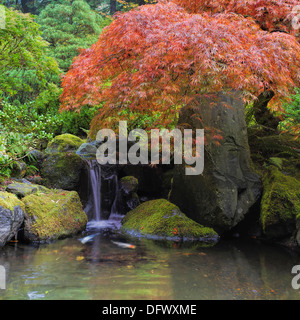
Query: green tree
[[24, 65], [69, 25]]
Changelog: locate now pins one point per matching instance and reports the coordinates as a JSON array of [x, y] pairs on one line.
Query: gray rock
[[19, 169], [222, 195], [11, 216], [23, 189], [62, 171], [36, 158], [129, 184], [127, 198], [87, 150]]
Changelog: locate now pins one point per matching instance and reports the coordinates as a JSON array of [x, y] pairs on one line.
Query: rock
[[127, 198], [87, 151], [55, 215], [129, 184], [11, 216], [221, 196], [35, 179], [160, 219], [62, 171], [280, 205], [149, 178], [64, 143], [23, 189], [36, 158], [298, 237], [19, 169]]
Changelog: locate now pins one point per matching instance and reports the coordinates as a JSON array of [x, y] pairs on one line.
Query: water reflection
[[99, 269]]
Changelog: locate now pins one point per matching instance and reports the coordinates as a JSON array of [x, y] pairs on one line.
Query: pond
[[99, 268]]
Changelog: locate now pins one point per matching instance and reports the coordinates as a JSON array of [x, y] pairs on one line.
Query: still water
[[102, 270]]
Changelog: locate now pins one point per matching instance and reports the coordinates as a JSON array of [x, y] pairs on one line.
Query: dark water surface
[[101, 270]]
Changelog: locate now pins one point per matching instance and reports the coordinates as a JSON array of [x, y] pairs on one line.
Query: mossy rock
[[280, 206], [160, 219], [64, 143], [62, 171], [21, 189], [87, 151], [11, 216], [129, 184], [10, 201], [19, 169], [54, 215]]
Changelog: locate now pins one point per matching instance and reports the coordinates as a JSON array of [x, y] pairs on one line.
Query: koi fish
[[124, 245], [88, 238]]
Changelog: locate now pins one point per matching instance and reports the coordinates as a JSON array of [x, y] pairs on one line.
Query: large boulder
[[160, 219], [62, 171], [11, 216], [53, 215], [35, 158], [64, 143], [223, 194], [280, 205]]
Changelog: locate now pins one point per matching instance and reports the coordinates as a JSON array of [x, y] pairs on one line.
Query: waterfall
[[93, 207], [114, 208], [102, 190]]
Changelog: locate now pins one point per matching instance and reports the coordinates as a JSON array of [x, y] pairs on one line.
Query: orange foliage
[[269, 14], [159, 57]]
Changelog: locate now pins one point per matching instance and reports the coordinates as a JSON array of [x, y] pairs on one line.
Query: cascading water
[[102, 192], [93, 207]]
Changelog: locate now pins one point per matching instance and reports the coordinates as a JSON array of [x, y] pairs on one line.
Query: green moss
[[280, 206], [62, 171], [54, 215], [19, 169], [10, 201], [162, 219], [24, 189], [63, 143], [129, 184]]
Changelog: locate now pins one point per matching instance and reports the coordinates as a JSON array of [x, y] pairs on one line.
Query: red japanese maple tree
[[160, 57], [271, 15]]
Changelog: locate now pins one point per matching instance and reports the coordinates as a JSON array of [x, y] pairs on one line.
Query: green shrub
[[291, 120]]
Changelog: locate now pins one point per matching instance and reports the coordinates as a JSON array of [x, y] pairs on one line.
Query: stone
[[280, 205], [127, 197], [222, 195], [129, 184], [35, 158], [162, 220], [21, 189], [11, 216], [64, 143], [62, 171], [55, 215], [19, 169], [87, 151]]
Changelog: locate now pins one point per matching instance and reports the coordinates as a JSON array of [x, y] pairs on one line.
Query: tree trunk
[[113, 7], [24, 5]]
